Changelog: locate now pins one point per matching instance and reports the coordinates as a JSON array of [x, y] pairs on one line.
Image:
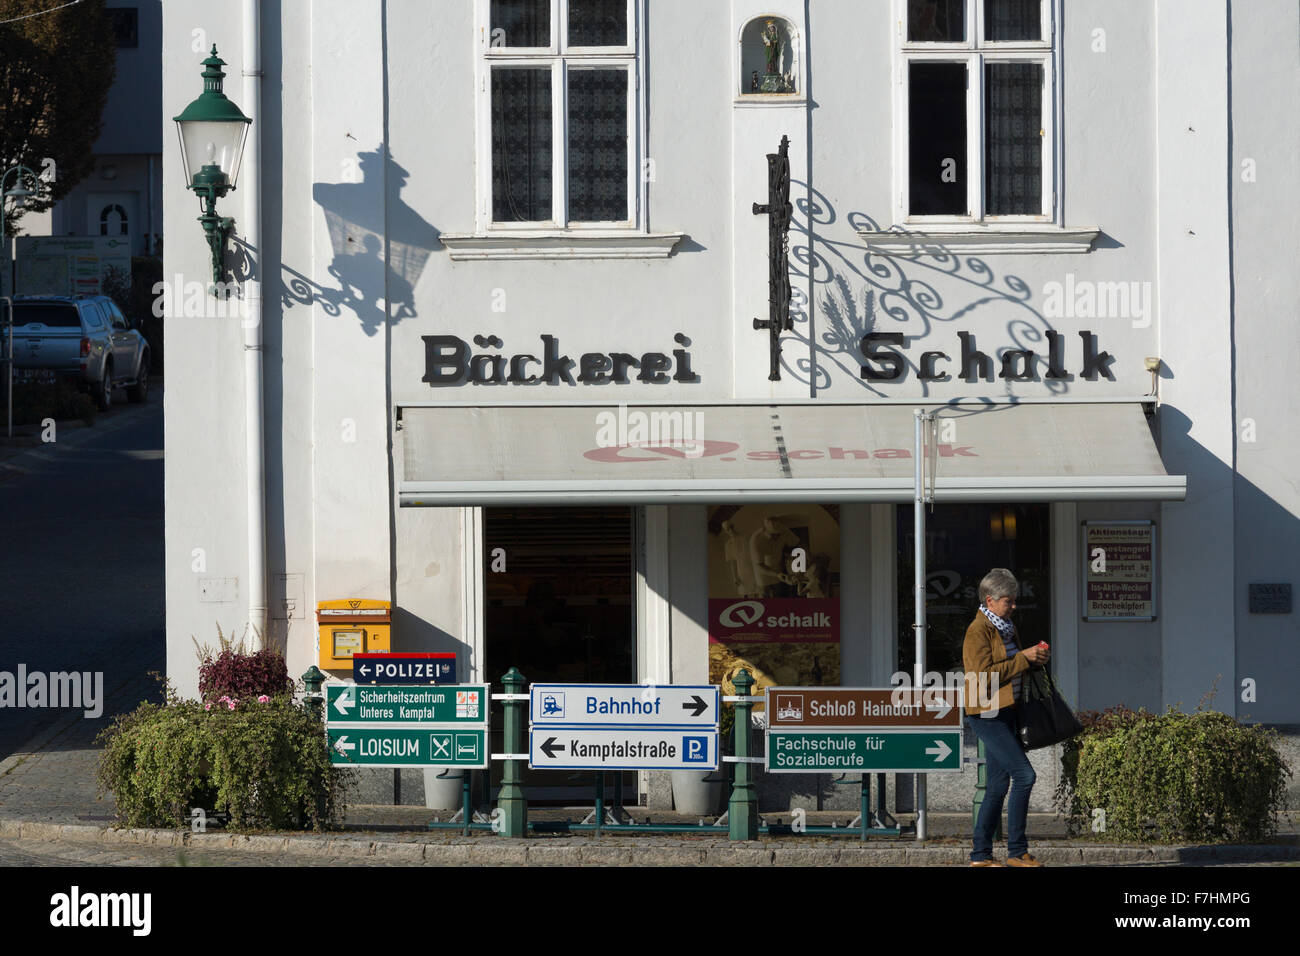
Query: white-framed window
[[977, 104], [560, 119]]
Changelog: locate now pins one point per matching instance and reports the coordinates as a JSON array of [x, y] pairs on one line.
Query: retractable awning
[[583, 454]]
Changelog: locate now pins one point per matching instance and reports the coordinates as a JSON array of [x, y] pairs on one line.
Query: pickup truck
[[82, 338]]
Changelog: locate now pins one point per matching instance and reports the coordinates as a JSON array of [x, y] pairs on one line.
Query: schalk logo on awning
[[723, 451]]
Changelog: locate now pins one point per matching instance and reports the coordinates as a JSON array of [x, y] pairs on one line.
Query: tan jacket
[[984, 655]]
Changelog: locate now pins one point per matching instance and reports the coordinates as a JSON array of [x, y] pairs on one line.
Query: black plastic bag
[[1044, 717]]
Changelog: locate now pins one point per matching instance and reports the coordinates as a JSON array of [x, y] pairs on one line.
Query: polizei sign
[[449, 361]]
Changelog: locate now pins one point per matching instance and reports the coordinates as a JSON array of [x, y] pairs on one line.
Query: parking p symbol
[[695, 749]]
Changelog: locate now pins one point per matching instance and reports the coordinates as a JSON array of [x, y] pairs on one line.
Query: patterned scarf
[[1008, 632]]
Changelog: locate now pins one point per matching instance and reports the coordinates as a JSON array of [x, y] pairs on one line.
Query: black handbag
[[1043, 716]]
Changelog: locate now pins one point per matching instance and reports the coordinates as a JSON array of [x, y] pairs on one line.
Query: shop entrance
[[558, 587]]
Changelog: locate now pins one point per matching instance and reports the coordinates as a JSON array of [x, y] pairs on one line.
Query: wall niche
[[769, 62]]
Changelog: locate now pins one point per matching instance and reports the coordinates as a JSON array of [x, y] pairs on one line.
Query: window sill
[[1026, 238], [562, 245], [745, 100]]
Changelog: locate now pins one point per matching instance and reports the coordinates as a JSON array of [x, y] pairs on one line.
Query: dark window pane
[[1013, 20], [597, 22], [126, 26], [1013, 122], [521, 145], [598, 146], [521, 23], [963, 543], [937, 131], [936, 21]]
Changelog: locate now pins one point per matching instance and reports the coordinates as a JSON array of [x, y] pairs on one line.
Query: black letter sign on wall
[[778, 210]]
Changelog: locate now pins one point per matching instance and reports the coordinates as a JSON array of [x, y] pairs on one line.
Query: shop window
[[774, 594], [977, 86], [963, 543], [559, 104]]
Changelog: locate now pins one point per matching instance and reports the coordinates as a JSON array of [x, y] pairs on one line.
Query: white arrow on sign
[[941, 750], [940, 703], [346, 701], [364, 669], [342, 745]]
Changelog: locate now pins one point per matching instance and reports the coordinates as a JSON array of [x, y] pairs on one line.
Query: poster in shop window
[[1119, 570], [774, 595]]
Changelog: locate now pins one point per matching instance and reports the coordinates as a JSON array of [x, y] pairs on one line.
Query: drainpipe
[[918, 591], [252, 322]]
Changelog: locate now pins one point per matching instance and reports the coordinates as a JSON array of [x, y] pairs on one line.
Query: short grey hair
[[998, 583]]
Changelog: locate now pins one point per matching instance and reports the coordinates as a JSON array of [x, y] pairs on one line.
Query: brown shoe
[[1023, 860], [987, 863]]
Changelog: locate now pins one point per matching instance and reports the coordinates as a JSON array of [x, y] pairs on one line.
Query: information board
[[1119, 570]]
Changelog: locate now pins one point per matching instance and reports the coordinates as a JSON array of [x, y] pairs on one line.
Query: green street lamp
[[19, 194], [213, 131]]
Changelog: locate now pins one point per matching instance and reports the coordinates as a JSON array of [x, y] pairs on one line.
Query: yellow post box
[[352, 626]]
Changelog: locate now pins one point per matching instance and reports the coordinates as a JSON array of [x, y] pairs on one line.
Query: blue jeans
[[1007, 765]]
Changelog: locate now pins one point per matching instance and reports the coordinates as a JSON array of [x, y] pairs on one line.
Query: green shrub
[[60, 400], [1200, 777], [266, 764]]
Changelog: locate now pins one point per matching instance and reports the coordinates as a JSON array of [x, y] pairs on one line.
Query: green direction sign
[[362, 704], [408, 747], [876, 751]]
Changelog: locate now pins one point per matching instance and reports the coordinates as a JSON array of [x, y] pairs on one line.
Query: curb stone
[[806, 856], [489, 855], [349, 848], [515, 852], [73, 833], [598, 855], [455, 854], [267, 844], [210, 841], [552, 855], [739, 856], [411, 852]]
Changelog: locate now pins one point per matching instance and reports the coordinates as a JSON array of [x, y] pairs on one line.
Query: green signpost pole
[[742, 810], [466, 802], [312, 681], [511, 802]]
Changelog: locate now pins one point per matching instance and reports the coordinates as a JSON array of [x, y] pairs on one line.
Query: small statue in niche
[[773, 80], [772, 40], [753, 82]]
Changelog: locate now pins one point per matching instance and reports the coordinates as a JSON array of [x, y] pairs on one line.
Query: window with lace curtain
[[558, 114], [977, 84]]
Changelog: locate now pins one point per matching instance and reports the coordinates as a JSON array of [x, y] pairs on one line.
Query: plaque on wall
[[1119, 570], [1270, 599]]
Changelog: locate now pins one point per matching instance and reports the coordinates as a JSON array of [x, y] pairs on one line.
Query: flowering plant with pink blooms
[[253, 762]]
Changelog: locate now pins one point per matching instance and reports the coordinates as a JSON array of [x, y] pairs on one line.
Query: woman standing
[[993, 658]]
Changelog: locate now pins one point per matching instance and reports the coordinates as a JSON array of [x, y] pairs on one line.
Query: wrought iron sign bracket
[[779, 212]]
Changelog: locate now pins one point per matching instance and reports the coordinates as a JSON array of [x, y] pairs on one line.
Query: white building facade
[[488, 224]]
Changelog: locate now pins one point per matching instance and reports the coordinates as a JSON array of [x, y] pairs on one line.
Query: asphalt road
[[81, 565]]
